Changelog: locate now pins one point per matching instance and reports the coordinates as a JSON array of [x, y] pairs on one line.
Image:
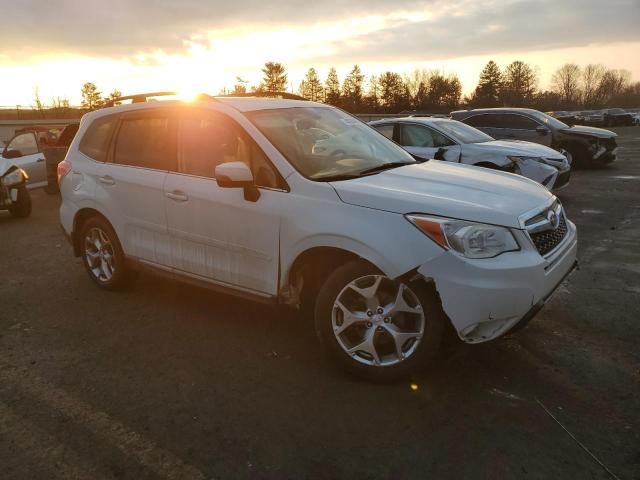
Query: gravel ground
[[165, 381]]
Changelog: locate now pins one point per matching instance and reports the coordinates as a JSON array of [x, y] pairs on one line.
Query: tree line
[[572, 87], [593, 86]]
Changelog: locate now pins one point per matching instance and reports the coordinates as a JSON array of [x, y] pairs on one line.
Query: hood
[[518, 148], [448, 190], [589, 131], [5, 165]]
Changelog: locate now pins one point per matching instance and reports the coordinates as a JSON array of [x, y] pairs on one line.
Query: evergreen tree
[[352, 90], [91, 97], [488, 91], [274, 77], [332, 88], [311, 87], [520, 81]]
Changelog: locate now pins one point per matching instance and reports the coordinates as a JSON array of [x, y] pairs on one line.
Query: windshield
[[548, 119], [462, 133], [326, 144]]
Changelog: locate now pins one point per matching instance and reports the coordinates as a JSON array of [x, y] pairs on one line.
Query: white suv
[[383, 250]]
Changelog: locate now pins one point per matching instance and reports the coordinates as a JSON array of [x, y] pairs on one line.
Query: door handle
[[178, 196], [40, 160], [107, 180]]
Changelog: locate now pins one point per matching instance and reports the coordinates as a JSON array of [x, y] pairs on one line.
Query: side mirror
[[12, 154], [542, 131], [237, 175]]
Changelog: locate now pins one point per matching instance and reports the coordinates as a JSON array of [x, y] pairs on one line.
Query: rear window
[[145, 142], [95, 142]]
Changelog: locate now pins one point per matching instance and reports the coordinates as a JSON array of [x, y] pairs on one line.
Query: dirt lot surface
[[165, 381]]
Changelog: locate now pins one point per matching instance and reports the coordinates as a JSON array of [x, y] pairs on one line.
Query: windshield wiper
[[337, 177], [385, 166]]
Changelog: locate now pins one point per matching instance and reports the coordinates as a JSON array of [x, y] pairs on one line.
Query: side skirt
[[202, 282]]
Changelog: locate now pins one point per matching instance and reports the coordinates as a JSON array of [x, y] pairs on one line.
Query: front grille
[[548, 240]]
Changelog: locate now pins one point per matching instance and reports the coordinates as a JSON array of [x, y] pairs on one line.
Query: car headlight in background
[[472, 240], [16, 177]]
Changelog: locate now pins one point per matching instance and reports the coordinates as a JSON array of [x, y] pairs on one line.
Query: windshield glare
[[324, 143], [549, 120], [461, 132]]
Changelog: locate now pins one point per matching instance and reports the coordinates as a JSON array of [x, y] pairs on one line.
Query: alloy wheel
[[378, 321], [99, 254]]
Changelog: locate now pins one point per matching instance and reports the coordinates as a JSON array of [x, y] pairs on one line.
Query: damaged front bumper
[[486, 298]]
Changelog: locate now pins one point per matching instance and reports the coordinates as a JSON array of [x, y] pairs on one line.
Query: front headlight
[[16, 177], [472, 240]]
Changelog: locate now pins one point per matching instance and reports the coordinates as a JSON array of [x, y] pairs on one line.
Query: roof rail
[[138, 98], [283, 95]]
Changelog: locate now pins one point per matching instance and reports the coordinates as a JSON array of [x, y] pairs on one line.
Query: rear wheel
[[102, 254], [376, 327], [22, 207]]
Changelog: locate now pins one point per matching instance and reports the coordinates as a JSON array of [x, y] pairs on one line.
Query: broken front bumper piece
[[486, 298]]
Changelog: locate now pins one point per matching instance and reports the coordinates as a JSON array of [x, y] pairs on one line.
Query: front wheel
[[377, 327], [22, 207], [102, 254]]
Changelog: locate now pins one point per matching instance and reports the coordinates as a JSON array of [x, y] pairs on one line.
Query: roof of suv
[[242, 104]]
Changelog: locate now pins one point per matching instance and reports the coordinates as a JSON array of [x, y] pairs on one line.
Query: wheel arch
[[79, 219], [311, 267]]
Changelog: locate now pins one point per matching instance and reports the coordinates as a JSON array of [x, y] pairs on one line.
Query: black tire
[[22, 207], [423, 355], [120, 271]]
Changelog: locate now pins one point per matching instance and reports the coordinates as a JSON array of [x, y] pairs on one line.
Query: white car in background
[[383, 252], [455, 141]]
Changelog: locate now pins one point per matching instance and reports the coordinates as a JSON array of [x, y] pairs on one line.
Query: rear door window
[[483, 120], [95, 142], [145, 142], [518, 122]]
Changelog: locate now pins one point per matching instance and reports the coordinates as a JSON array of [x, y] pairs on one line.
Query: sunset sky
[[202, 45]]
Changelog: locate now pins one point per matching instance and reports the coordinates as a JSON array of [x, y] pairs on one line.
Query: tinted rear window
[[95, 142], [145, 142]]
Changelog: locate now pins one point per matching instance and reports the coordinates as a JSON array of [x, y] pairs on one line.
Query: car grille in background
[[550, 239]]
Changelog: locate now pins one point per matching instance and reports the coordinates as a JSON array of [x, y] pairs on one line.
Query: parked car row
[[587, 146], [450, 140], [300, 204], [610, 117]]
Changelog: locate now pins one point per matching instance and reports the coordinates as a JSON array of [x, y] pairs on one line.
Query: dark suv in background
[[587, 146]]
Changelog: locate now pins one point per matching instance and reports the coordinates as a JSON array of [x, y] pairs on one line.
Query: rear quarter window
[[95, 141]]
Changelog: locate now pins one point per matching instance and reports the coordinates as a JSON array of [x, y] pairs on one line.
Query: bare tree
[[566, 82], [38, 105], [592, 76]]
